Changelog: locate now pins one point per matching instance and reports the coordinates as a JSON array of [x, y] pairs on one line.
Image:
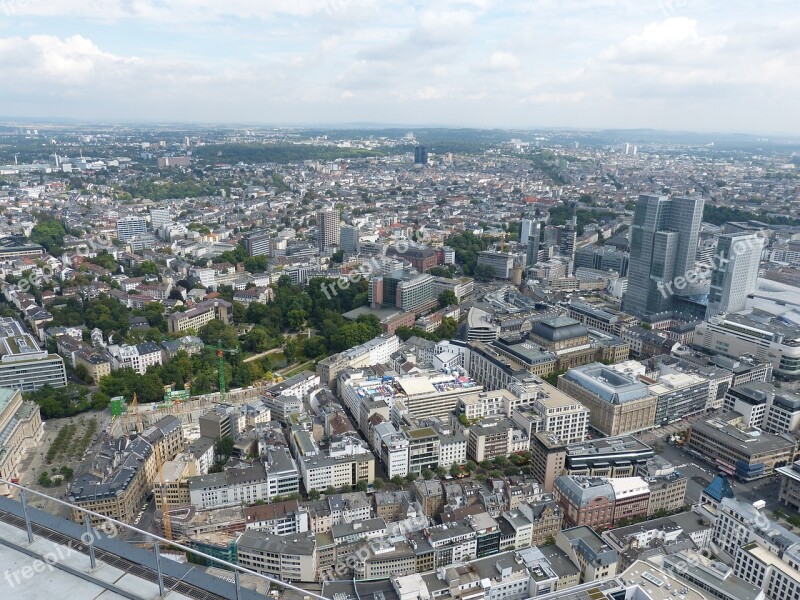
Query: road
[[700, 474]]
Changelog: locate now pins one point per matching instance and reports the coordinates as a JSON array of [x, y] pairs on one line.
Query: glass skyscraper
[[663, 246]]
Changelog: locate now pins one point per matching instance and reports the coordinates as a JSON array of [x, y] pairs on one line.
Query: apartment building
[[137, 357]]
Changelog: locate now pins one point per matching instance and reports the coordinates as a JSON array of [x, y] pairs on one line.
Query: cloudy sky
[[721, 65]]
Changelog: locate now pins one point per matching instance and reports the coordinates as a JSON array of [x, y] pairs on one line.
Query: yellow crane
[[165, 506], [133, 406]]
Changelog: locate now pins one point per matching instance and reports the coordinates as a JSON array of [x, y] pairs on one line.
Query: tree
[[224, 446], [362, 485], [82, 373], [296, 319], [427, 474], [484, 272], [313, 495], [411, 476], [346, 488], [330, 490], [455, 469], [471, 467], [398, 480], [377, 484], [441, 472], [447, 298]]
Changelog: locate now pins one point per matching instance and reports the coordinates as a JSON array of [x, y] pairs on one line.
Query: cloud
[[502, 62]]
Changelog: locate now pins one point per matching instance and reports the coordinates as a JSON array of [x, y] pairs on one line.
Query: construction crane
[[165, 506], [221, 352], [134, 406]]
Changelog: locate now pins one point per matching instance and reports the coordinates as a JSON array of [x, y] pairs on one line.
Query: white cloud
[[502, 61]]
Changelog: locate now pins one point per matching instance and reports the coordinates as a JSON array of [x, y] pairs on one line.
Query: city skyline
[[672, 65]]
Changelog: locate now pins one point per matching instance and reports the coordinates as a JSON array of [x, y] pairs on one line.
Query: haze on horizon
[[697, 65]]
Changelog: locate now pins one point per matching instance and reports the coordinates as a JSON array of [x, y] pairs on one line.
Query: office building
[[501, 263], [554, 412], [257, 243], [763, 339], [744, 452], [663, 246], [735, 273], [764, 406], [23, 365], [159, 217], [327, 229], [618, 402], [199, 315], [349, 239], [130, 227], [529, 232], [290, 557], [420, 155], [405, 290]]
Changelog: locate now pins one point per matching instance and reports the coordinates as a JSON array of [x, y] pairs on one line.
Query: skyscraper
[[420, 155], [348, 236], [327, 228], [129, 227], [257, 243], [735, 272], [529, 229], [663, 246]]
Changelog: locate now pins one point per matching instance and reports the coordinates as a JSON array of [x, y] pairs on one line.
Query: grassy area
[[297, 369]]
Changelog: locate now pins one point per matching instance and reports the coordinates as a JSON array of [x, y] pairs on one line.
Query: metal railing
[[156, 541]]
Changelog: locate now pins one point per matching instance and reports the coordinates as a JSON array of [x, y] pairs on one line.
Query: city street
[[700, 474]]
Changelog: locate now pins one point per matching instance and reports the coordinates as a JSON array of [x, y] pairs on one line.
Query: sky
[[691, 65]]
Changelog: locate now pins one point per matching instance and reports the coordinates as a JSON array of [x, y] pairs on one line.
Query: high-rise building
[[348, 237], [327, 228], [529, 232], [663, 247], [129, 227], [159, 217], [420, 155], [257, 243], [735, 272]]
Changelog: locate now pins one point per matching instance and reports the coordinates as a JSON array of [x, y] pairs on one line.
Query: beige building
[[20, 430], [196, 317], [115, 480], [618, 402], [289, 558]]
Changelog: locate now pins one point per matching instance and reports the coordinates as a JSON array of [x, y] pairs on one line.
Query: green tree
[[313, 495], [427, 474], [224, 447], [330, 490], [377, 484], [362, 485], [447, 298], [398, 480]]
